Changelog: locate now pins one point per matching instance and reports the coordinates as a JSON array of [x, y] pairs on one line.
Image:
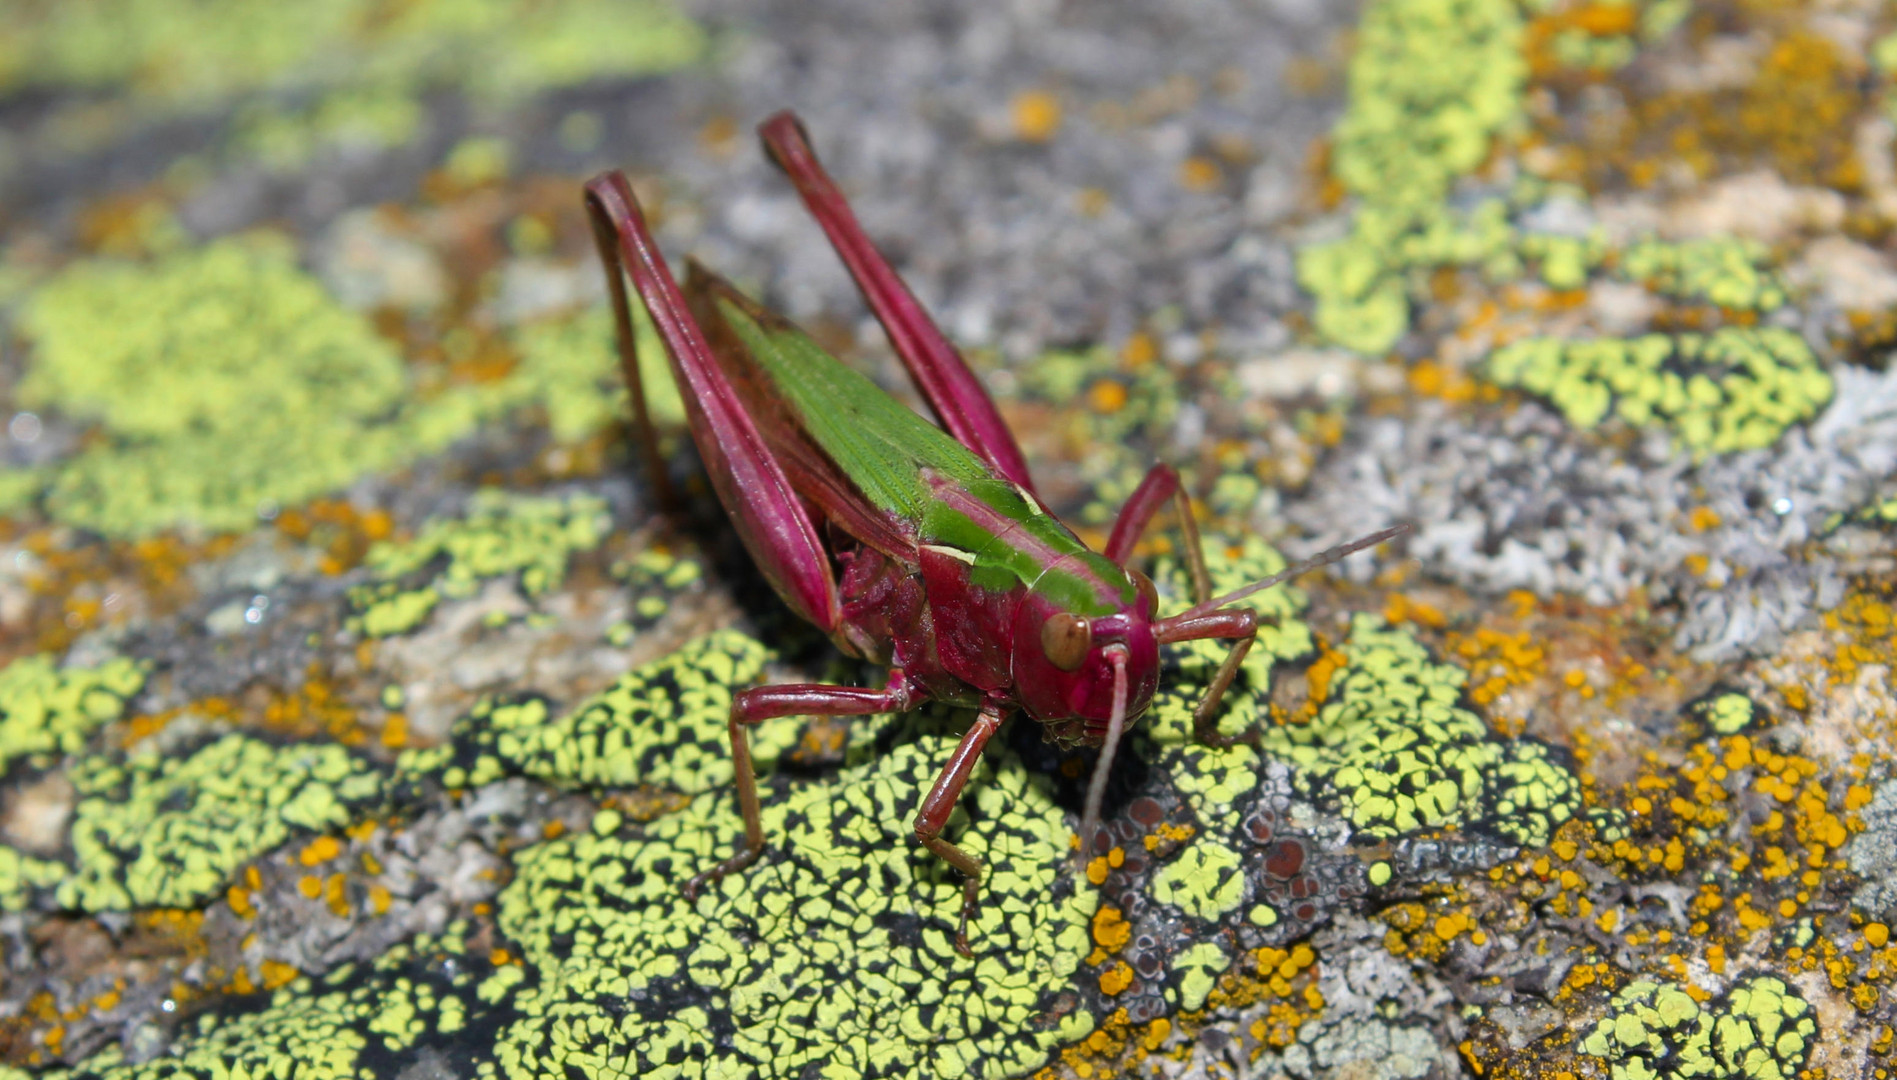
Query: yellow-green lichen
[[653, 578], [501, 533], [1213, 780], [385, 609], [1432, 84], [662, 724], [1396, 750], [1881, 512], [1199, 966], [1204, 880], [1731, 272], [45, 709], [570, 365], [1734, 389], [407, 1005], [1726, 713], [1759, 1030], [225, 381], [834, 952], [167, 832], [183, 54], [1564, 262], [21, 875]]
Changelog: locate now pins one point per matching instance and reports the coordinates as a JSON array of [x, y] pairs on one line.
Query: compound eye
[[1149, 596], [1066, 638]]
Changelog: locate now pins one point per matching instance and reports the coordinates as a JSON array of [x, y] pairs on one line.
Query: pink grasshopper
[[940, 562]]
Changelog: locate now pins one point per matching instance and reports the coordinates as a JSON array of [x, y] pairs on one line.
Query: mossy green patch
[[226, 381], [1397, 751], [501, 533], [1734, 389], [1759, 1030], [45, 709], [662, 724], [154, 831], [834, 952]]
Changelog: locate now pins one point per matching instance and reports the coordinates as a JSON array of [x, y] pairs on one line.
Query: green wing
[[877, 441], [844, 441]]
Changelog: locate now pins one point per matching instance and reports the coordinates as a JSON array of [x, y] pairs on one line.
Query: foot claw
[[740, 861]]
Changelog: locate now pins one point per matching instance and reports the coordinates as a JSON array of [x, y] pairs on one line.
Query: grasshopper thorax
[[1063, 659]]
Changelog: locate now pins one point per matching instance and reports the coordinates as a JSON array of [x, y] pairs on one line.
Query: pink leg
[[768, 514], [1240, 625], [750, 708], [1161, 483], [642, 428], [940, 803], [952, 390]]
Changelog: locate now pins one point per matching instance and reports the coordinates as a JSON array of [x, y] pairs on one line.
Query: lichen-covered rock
[[152, 831], [662, 724], [1394, 746], [836, 949], [46, 709]]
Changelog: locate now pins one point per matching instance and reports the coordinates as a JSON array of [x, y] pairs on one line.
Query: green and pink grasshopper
[[918, 547]]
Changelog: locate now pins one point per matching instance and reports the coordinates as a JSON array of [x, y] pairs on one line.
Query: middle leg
[[940, 803], [758, 704]]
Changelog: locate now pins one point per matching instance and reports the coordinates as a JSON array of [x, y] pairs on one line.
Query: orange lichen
[[1497, 661], [1448, 383], [1424, 931], [1797, 115], [1399, 608], [317, 707], [78, 587], [320, 850], [336, 527], [1167, 834], [1036, 115]]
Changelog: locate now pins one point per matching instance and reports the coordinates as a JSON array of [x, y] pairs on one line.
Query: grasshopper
[[918, 547]]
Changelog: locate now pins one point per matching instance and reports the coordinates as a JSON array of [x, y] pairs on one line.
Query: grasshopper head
[[1086, 675], [1065, 662]]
